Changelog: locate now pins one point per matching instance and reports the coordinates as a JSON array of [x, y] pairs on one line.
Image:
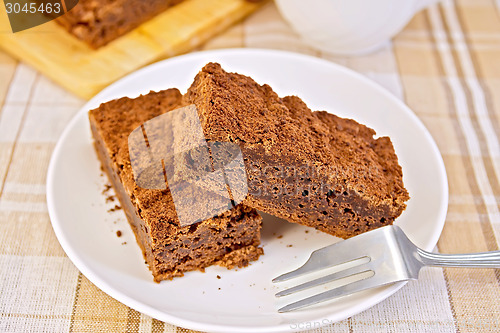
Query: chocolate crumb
[[110, 198], [118, 233], [218, 276], [289, 245], [219, 288], [115, 208], [307, 231], [107, 187], [124, 243], [280, 236]]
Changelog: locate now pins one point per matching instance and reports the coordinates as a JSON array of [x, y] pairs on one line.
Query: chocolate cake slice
[[98, 22], [229, 238], [312, 168]]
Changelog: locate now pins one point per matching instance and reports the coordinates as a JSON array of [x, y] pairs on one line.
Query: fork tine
[[348, 289], [345, 251], [362, 268]]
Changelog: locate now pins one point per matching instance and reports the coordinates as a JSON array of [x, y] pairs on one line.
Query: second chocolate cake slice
[[228, 237], [312, 168]]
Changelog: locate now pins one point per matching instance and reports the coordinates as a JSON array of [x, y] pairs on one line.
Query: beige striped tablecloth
[[445, 65]]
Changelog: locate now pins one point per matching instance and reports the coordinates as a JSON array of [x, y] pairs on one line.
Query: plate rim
[[193, 324]]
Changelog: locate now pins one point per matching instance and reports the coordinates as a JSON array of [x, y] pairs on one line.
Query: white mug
[[349, 27]]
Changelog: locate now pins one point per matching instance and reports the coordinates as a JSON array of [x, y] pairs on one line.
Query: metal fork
[[387, 254]]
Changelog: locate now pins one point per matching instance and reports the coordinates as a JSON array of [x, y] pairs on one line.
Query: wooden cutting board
[[84, 71]]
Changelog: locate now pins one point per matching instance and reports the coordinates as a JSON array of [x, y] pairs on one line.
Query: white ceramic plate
[[241, 300]]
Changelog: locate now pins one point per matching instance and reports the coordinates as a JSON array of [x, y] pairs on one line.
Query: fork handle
[[472, 260]]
